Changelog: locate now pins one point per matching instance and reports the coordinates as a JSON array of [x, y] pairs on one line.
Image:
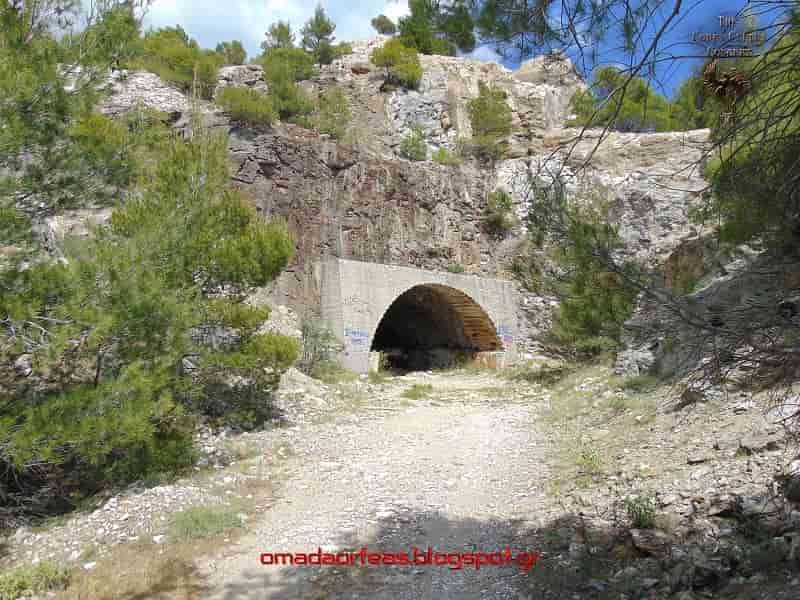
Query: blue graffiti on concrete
[[356, 337], [505, 333]]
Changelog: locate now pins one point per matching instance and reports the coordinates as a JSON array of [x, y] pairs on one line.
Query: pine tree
[[279, 35], [318, 33], [232, 53]]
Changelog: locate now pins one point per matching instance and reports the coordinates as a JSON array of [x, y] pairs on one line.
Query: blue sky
[[212, 21]]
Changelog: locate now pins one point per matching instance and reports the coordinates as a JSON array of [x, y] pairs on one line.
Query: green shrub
[[231, 53], [173, 56], [596, 296], [401, 63], [247, 105], [339, 50], [499, 216], [641, 511], [283, 68], [292, 104], [201, 522], [455, 268], [490, 116], [413, 146], [589, 459], [527, 270], [618, 403], [443, 47], [126, 429], [418, 391], [333, 115], [288, 63], [544, 375], [594, 345], [40, 578], [444, 157], [321, 350], [255, 367]]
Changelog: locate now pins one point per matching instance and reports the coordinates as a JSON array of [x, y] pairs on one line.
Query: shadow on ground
[[581, 557]]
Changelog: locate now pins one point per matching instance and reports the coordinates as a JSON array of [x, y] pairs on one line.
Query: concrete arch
[[433, 325], [356, 297]]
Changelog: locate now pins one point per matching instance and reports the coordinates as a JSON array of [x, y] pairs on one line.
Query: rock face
[[539, 95], [132, 89], [249, 76], [341, 202]]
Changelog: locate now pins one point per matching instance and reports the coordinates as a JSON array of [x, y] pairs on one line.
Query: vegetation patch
[[640, 383], [401, 63], [413, 145], [589, 459], [418, 391], [443, 156], [202, 522], [499, 217], [40, 578], [541, 374], [455, 268], [173, 56], [490, 117], [247, 105], [641, 510], [333, 113]]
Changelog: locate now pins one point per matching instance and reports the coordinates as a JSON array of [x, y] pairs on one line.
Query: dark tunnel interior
[[433, 326]]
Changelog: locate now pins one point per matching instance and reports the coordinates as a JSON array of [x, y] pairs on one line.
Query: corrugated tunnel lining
[[436, 316]]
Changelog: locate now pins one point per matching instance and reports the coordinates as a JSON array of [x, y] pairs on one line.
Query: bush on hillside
[[490, 116], [413, 146], [247, 105], [499, 217], [333, 114], [401, 63], [283, 68], [443, 156], [173, 56], [320, 350], [293, 63]]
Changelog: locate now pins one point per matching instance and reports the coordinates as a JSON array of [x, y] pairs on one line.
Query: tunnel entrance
[[433, 326]]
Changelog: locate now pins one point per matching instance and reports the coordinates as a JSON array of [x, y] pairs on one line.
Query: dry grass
[[168, 571], [143, 570]]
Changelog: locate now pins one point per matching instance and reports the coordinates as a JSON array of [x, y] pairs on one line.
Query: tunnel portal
[[433, 326], [415, 319]]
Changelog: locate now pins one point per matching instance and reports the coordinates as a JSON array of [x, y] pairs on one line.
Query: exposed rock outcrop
[[134, 89], [247, 76]]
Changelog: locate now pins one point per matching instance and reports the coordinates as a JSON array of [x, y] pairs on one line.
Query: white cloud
[[395, 9], [485, 54]]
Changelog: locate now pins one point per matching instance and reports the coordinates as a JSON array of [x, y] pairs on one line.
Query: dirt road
[[456, 472]]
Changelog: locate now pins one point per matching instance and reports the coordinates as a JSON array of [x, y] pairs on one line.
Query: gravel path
[[455, 472]]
